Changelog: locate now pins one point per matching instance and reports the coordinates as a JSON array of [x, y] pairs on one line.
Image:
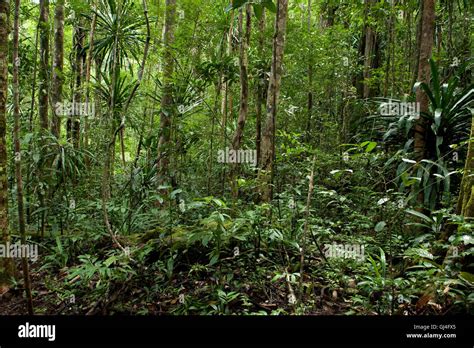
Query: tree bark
[[58, 66], [164, 144], [244, 87], [390, 56], [425, 46], [416, 53], [16, 136], [30, 119], [268, 139], [226, 105], [43, 95], [371, 54], [4, 31], [74, 120], [424, 74], [44, 65], [465, 206], [88, 78], [260, 93], [310, 78]]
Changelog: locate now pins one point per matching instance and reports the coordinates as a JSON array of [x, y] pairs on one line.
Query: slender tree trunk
[[390, 62], [227, 98], [306, 228], [371, 54], [16, 135], [310, 78], [268, 139], [416, 57], [44, 64], [244, 87], [8, 267], [359, 80], [211, 147], [164, 145], [109, 128], [424, 74], [225, 86], [110, 137], [43, 93], [465, 206], [88, 78], [260, 93], [56, 87], [74, 120], [30, 120], [58, 65], [408, 40]]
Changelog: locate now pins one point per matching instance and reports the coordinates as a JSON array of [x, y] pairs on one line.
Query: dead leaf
[[4, 289], [423, 301]]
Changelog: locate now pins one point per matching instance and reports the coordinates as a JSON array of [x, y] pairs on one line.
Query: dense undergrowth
[[207, 255]]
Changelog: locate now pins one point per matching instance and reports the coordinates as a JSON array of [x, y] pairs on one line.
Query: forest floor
[[129, 299]]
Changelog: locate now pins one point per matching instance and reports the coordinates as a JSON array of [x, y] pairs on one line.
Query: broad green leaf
[[423, 253], [469, 277], [269, 5], [380, 226], [110, 261], [370, 146], [418, 214]]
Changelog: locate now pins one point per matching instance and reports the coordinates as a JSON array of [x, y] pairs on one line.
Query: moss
[[468, 210], [212, 225], [149, 235], [176, 239]]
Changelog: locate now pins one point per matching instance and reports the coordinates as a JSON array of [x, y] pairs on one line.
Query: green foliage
[[118, 23], [191, 246]]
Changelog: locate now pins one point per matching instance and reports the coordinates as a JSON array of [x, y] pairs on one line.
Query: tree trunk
[[424, 74], [88, 78], [4, 31], [390, 61], [268, 139], [43, 95], [416, 53], [425, 46], [310, 78], [226, 105], [74, 120], [260, 93], [58, 65], [164, 144], [16, 135], [465, 206], [44, 64], [244, 87], [371, 54], [30, 120]]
